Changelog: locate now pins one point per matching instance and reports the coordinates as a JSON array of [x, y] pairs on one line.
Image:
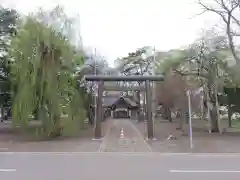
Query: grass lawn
[[236, 123], [70, 128]]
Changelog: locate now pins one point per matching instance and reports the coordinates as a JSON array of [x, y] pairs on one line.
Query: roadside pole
[[190, 118]]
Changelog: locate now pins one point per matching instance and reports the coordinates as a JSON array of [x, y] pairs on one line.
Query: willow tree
[[42, 75]]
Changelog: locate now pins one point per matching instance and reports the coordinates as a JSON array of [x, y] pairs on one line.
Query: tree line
[[208, 67], [42, 70]]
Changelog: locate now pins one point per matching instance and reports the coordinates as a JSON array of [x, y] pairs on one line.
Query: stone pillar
[[99, 115], [149, 111]]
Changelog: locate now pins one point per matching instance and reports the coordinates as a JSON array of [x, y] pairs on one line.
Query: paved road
[[117, 166]]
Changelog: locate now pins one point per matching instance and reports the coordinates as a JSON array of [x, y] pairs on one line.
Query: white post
[[190, 118]]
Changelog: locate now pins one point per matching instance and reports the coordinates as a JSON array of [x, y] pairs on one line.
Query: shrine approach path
[[130, 141]]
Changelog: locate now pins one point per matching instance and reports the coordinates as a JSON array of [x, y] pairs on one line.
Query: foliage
[[136, 63], [228, 11], [203, 64], [8, 19], [42, 74], [170, 60]]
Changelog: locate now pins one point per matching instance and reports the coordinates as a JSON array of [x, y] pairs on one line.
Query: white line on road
[[211, 155], [8, 170], [203, 171]]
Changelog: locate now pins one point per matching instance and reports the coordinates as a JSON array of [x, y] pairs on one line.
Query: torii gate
[[99, 114]]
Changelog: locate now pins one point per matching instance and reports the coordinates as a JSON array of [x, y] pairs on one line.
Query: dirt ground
[[203, 142], [12, 140]]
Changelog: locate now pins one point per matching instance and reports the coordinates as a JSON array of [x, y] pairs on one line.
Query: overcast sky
[[117, 27]]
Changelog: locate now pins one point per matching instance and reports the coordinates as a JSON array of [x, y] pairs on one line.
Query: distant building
[[120, 107]]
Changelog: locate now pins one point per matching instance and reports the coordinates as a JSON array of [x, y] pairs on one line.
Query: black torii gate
[[99, 115]]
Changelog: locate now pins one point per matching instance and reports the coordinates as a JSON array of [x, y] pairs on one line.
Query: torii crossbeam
[[99, 114]]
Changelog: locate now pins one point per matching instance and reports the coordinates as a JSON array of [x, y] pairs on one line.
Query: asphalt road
[[117, 166]]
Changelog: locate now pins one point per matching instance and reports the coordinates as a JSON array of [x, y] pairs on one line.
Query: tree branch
[[190, 73], [229, 13]]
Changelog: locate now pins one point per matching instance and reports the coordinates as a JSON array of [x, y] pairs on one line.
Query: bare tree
[[171, 94], [207, 59], [197, 66], [228, 11]]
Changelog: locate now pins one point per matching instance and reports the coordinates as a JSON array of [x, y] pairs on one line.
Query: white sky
[[117, 27]]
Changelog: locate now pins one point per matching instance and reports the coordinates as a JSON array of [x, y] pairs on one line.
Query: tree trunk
[[213, 103], [56, 130], [54, 127], [90, 114], [180, 121], [2, 113], [164, 112], [167, 113], [214, 119], [178, 114], [229, 116], [186, 117], [230, 112], [139, 105]]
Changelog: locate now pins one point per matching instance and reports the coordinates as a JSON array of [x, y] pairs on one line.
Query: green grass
[[236, 123], [70, 128]]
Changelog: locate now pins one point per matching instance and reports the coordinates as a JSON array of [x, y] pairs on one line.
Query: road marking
[[203, 171], [8, 170], [211, 155]]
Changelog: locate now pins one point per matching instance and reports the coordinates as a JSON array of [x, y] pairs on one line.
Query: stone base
[[153, 139], [97, 139]]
